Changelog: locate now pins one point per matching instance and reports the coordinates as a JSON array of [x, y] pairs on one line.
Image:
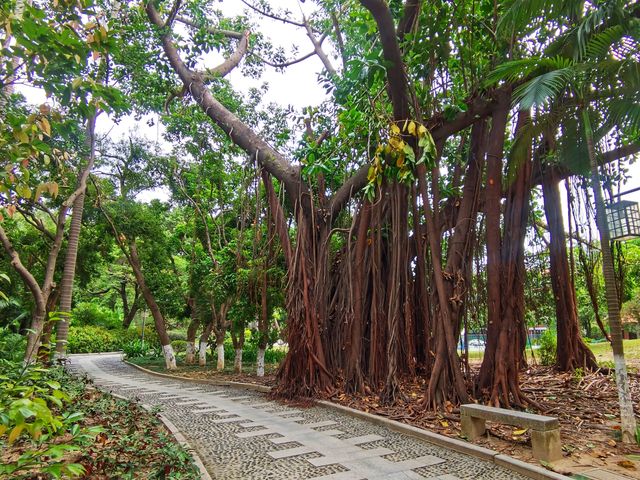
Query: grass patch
[[157, 365]]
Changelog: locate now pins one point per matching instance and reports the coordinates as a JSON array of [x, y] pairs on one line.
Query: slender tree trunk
[[158, 319], [192, 330], [69, 272], [204, 343], [572, 352], [628, 420]]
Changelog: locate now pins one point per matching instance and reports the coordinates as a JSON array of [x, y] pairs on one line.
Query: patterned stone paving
[[242, 435]]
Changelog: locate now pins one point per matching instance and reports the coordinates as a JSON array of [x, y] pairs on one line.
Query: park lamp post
[[623, 218]]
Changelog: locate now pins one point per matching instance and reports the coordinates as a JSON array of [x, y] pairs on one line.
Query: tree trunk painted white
[[237, 361], [169, 357], [220, 350], [260, 369], [202, 354], [627, 416], [190, 356]]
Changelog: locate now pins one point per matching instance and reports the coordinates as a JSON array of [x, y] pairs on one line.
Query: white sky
[[296, 86]]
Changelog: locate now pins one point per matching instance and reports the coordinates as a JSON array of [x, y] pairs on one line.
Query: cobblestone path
[[241, 435]]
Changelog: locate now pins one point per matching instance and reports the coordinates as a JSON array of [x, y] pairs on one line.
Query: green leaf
[[541, 89]]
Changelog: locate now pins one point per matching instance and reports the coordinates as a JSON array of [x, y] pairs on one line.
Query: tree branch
[[237, 130], [211, 30], [232, 62]]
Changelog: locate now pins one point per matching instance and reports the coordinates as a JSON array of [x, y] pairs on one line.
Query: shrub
[[92, 339], [179, 346], [86, 313], [177, 335], [548, 347], [95, 339], [136, 348]]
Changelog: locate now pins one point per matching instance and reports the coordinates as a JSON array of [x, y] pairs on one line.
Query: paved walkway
[[242, 435]]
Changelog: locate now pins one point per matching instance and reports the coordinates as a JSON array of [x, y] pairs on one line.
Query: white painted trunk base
[[169, 357], [202, 354], [220, 350], [260, 369], [627, 418], [237, 361], [190, 357]]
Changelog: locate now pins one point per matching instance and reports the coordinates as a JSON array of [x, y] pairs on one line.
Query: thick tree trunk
[[628, 420], [498, 379], [304, 372], [572, 352]]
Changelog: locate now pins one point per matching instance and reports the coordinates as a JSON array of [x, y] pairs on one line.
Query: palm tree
[[591, 72], [68, 275]]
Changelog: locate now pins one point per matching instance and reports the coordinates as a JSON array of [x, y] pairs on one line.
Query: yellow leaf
[[76, 82], [400, 160], [372, 174], [396, 143], [422, 130], [15, 433], [412, 127], [395, 129], [53, 189], [519, 432], [21, 136], [103, 32], [444, 423], [45, 126], [404, 127], [3, 428]]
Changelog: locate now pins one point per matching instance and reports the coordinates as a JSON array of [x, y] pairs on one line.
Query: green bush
[[177, 335], [137, 349], [179, 346], [548, 346], [95, 339], [92, 339], [86, 313]]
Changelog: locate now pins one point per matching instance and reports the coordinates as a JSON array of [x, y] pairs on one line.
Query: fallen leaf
[[520, 432], [628, 464]]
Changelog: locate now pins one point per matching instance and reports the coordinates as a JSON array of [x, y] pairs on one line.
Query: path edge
[[176, 434], [513, 464]]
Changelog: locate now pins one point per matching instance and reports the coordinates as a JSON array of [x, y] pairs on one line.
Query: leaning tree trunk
[[69, 272], [628, 420], [158, 319], [572, 352]]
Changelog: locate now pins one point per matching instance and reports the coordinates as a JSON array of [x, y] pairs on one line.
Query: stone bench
[[545, 431]]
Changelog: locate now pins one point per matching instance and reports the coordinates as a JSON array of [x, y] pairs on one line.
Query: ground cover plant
[[55, 425]]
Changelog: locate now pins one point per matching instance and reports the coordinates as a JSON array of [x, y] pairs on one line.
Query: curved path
[[241, 435]]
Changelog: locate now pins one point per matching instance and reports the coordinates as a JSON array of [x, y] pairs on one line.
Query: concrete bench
[[545, 431]]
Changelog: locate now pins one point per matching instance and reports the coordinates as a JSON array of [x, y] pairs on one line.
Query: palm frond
[[600, 44], [517, 70], [539, 90], [625, 114], [521, 14]]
